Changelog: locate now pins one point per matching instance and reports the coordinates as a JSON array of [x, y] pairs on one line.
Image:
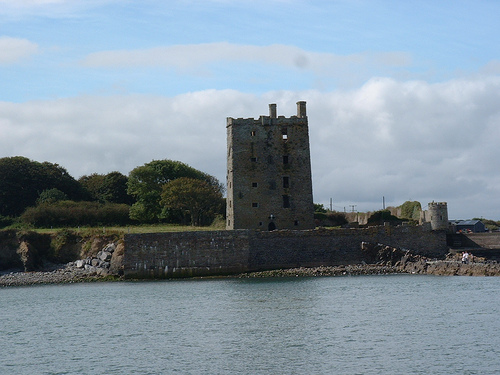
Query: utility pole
[[331, 204]]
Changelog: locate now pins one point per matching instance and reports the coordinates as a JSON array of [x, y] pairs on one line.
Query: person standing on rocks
[[465, 257]]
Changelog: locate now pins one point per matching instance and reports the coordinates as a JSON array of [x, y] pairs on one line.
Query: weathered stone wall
[[485, 240], [284, 249], [186, 254]]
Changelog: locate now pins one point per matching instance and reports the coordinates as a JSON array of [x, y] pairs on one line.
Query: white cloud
[[48, 8], [31, 3], [401, 140], [191, 57], [14, 49]]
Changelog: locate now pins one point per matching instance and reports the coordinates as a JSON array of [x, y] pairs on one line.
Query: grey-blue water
[[399, 324]]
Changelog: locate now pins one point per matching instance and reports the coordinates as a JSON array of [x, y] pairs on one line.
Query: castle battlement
[[272, 118], [438, 204]]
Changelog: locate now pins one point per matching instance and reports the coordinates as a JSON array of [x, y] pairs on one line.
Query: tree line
[[43, 194]]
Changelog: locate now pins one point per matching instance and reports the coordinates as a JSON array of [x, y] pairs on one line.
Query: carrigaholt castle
[[270, 214]]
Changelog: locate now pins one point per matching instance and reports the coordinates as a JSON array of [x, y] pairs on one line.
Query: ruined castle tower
[[436, 215], [269, 182]]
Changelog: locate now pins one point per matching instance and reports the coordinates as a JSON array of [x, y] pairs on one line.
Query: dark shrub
[[72, 214], [383, 216]]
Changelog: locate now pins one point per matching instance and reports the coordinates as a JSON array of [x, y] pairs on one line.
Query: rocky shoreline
[[380, 260], [56, 274], [105, 265], [432, 267], [326, 271], [70, 273]]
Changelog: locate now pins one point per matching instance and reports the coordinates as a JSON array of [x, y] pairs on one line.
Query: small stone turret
[[301, 110], [437, 215], [272, 111]]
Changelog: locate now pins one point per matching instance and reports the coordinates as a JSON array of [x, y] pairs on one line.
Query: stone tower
[[437, 215], [269, 183]]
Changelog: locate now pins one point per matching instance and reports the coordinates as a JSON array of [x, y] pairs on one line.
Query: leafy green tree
[[5, 221], [51, 196], [318, 207], [22, 181], [196, 200], [109, 188], [93, 185], [145, 185]]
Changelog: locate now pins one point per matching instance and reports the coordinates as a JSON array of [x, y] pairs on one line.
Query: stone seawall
[[187, 254]]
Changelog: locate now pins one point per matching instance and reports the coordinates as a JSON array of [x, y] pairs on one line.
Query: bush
[[72, 214], [5, 221], [330, 219], [382, 216], [51, 196]]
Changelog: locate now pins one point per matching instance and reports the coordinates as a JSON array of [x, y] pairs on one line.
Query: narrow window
[[254, 184], [252, 133], [253, 160], [260, 223], [285, 159], [286, 182], [284, 134], [296, 222], [286, 201], [255, 204]]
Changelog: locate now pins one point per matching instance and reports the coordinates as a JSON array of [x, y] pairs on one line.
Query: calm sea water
[[400, 324]]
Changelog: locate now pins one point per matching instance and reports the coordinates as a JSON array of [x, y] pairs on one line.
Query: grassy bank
[[129, 229]]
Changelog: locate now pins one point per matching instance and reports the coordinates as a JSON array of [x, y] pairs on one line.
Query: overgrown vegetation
[[22, 181], [197, 201], [146, 184], [73, 214], [44, 195], [383, 216], [411, 210], [330, 219]]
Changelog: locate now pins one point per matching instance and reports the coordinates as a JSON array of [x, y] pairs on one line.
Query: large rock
[[105, 256], [110, 247], [116, 266]]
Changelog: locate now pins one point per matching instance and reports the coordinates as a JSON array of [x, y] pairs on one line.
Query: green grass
[[156, 228]]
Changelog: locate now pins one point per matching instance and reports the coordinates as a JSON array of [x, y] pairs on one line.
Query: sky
[[403, 98]]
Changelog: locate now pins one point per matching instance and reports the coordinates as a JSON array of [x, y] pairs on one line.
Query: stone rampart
[[187, 254]]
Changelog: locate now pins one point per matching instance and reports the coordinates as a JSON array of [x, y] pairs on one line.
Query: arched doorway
[[271, 226]]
